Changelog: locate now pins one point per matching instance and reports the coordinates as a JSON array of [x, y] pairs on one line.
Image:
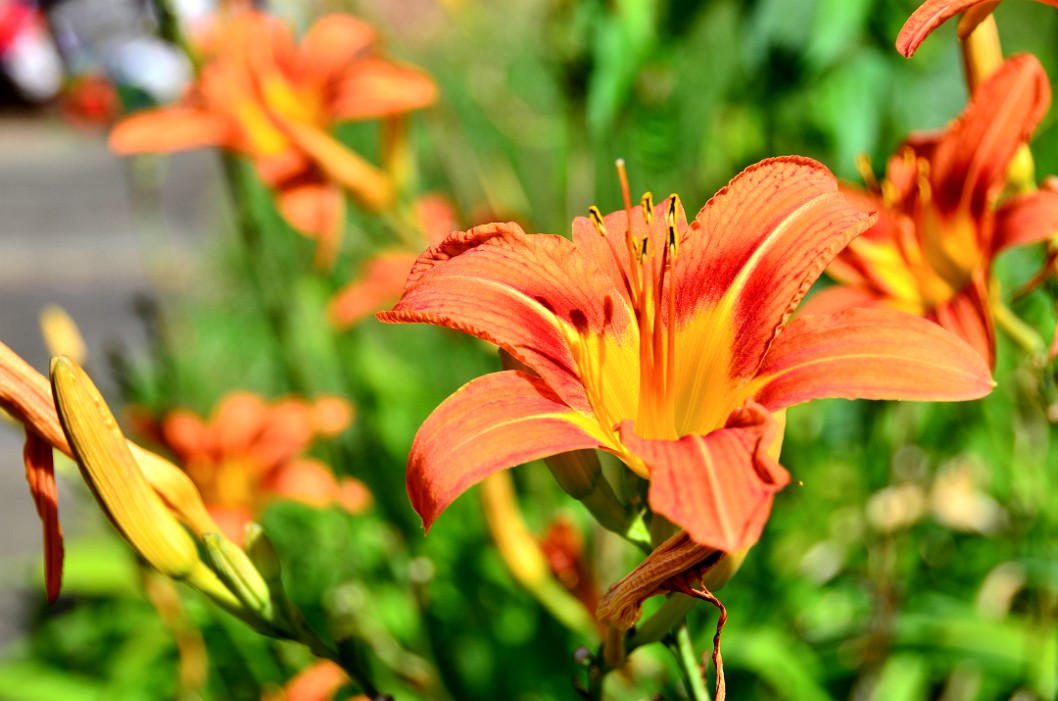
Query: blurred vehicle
[[31, 70], [117, 39]]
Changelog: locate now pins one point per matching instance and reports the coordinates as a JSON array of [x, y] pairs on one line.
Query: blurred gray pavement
[[69, 235]]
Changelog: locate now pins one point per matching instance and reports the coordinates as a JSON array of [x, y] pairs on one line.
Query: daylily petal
[[237, 423], [751, 255], [838, 298], [969, 316], [26, 395], [306, 481], [379, 284], [969, 167], [287, 430], [185, 434], [491, 423], [436, 216], [933, 13], [331, 415], [318, 682], [1029, 218], [528, 295], [869, 354], [40, 473], [170, 129], [353, 495], [718, 487], [758, 245], [373, 88], [330, 45], [369, 185], [316, 209], [882, 265], [286, 168]]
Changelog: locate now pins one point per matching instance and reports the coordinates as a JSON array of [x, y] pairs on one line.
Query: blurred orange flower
[[249, 453], [941, 221], [318, 682], [263, 96], [563, 547]]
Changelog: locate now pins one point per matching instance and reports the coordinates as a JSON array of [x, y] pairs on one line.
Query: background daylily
[[666, 343], [941, 220], [263, 96], [251, 452], [933, 13]]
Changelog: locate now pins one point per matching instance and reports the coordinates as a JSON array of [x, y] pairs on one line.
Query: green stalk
[[1026, 337], [663, 622], [682, 648]]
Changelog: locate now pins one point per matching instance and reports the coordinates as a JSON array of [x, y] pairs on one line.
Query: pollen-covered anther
[[670, 221], [925, 192], [863, 166], [596, 219]]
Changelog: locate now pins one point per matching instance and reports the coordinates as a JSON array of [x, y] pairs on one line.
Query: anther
[[670, 221], [925, 191], [863, 165], [596, 218], [648, 208]]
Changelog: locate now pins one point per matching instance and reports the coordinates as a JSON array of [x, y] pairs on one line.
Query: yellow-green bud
[[113, 475], [239, 575]]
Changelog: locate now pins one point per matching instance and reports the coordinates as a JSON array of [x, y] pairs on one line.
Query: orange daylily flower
[[265, 97], [939, 225], [666, 343], [933, 13], [250, 452]]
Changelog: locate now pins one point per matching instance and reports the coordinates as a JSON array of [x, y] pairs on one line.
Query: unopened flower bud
[[239, 574], [262, 553], [114, 476], [61, 335]]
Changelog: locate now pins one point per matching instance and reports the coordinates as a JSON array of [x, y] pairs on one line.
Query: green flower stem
[[347, 659], [682, 648], [171, 30], [663, 622], [1026, 337], [265, 276]]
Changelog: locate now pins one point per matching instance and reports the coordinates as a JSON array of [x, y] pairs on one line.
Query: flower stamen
[[596, 219]]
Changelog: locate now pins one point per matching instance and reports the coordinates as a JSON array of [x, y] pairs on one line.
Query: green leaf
[[32, 681], [624, 39]]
